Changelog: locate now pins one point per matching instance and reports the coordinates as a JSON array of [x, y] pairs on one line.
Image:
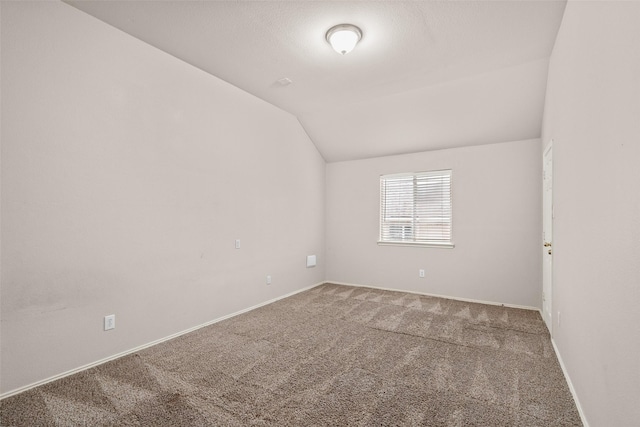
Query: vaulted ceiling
[[426, 75]]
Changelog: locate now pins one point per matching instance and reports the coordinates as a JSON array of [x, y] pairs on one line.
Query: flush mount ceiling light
[[344, 37]]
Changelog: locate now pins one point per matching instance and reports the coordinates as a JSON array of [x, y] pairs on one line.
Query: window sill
[[421, 245]]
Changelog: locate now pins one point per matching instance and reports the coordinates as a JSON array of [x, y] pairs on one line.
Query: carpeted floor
[[334, 355]]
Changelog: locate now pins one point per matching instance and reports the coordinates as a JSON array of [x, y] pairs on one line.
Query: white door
[[547, 233]]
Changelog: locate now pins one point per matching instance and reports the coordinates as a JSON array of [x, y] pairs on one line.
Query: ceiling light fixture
[[344, 37]]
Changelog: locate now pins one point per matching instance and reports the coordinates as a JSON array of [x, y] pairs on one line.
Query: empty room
[[309, 213]]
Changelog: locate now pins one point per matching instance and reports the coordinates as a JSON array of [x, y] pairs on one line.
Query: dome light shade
[[344, 37]]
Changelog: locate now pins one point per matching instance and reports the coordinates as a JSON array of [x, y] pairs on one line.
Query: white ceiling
[[426, 75]]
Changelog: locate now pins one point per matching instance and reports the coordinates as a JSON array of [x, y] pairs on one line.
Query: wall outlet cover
[[109, 322], [311, 261]]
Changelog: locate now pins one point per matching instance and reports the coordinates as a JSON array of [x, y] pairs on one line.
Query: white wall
[[496, 225], [592, 114], [126, 176]]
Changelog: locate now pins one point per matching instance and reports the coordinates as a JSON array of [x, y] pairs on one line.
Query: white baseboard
[[583, 418], [147, 345], [524, 307]]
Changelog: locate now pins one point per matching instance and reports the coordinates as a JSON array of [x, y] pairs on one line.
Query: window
[[415, 209]]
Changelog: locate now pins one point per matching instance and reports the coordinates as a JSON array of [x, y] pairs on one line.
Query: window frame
[[432, 243]]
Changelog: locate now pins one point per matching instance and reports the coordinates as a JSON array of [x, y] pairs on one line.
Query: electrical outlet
[[268, 279], [311, 261], [421, 273], [109, 322], [237, 243], [558, 319]]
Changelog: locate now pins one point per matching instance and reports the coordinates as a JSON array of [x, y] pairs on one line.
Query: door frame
[[547, 227]]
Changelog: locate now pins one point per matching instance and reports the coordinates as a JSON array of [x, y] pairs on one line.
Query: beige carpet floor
[[331, 356]]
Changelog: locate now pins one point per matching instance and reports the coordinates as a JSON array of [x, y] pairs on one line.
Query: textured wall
[[496, 225], [126, 176], [592, 114]]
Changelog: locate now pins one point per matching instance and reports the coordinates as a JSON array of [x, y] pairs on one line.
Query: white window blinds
[[416, 208]]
